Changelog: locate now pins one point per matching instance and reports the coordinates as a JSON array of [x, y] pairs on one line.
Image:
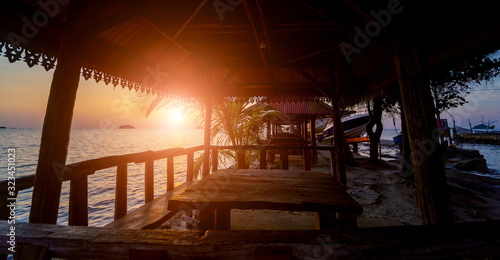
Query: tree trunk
[[375, 120], [428, 168], [57, 123], [406, 165], [349, 158]]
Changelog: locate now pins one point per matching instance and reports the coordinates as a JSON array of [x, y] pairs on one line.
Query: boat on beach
[[354, 125]]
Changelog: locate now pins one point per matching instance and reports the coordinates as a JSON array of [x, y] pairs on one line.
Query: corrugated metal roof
[[303, 108], [263, 41]]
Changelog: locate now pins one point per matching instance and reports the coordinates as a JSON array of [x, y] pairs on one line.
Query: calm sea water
[[88, 144], [490, 152]]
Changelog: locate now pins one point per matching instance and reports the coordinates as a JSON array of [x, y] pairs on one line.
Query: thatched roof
[[279, 48]]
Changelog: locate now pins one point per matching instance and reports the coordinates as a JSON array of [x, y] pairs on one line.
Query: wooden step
[[150, 215]]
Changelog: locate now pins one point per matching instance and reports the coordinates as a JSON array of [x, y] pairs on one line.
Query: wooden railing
[[77, 173]]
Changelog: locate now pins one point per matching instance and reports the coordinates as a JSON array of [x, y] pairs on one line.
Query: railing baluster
[[190, 166], [170, 173], [149, 181], [215, 160], [263, 160], [121, 190], [78, 202]]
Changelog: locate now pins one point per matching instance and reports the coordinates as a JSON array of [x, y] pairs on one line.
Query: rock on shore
[[479, 138]]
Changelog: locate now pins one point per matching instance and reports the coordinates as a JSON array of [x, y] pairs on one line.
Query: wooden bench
[[152, 214]]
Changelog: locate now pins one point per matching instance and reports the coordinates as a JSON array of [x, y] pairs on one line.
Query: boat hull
[[354, 126]]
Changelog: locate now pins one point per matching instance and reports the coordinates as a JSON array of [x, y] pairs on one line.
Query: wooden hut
[[280, 50]]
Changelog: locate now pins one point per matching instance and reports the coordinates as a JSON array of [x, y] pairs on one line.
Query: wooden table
[[229, 189]]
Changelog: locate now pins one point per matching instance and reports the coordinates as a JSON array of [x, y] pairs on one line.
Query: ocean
[[88, 144]]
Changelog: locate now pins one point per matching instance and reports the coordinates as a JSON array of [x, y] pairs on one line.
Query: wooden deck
[[267, 189], [477, 240]]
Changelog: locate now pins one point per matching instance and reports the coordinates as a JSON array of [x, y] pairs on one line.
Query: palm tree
[[233, 123], [238, 123]]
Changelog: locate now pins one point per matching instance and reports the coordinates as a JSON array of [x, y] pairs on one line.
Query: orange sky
[[24, 94]]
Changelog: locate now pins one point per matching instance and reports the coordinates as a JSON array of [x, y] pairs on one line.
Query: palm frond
[[144, 104]]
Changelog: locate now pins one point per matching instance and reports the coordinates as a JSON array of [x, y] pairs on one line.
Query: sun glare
[[176, 115]]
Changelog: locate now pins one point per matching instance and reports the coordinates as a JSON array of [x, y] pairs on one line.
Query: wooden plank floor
[[150, 215]]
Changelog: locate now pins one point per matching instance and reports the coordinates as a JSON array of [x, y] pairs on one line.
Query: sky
[[24, 93]]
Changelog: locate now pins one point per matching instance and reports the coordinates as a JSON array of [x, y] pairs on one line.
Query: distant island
[[126, 127], [3, 127], [480, 126]]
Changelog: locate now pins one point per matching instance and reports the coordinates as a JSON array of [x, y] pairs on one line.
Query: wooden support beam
[[313, 139], [263, 160], [223, 219], [428, 168], [215, 160], [170, 173], [284, 159], [206, 142], [121, 191], [149, 187], [57, 122], [200, 6], [78, 202], [207, 219], [337, 123], [259, 34], [241, 158], [190, 166], [307, 159]]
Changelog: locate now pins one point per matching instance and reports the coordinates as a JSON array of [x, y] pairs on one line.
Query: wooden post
[[208, 125], [223, 219], [121, 191], [268, 130], [241, 158], [57, 122], [78, 202], [307, 159], [170, 173], [215, 160], [262, 160], [305, 128], [284, 159], [190, 166], [337, 125], [149, 186], [313, 140], [207, 219], [428, 168]]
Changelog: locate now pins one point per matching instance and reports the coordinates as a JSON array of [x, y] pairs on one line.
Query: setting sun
[[175, 115]]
